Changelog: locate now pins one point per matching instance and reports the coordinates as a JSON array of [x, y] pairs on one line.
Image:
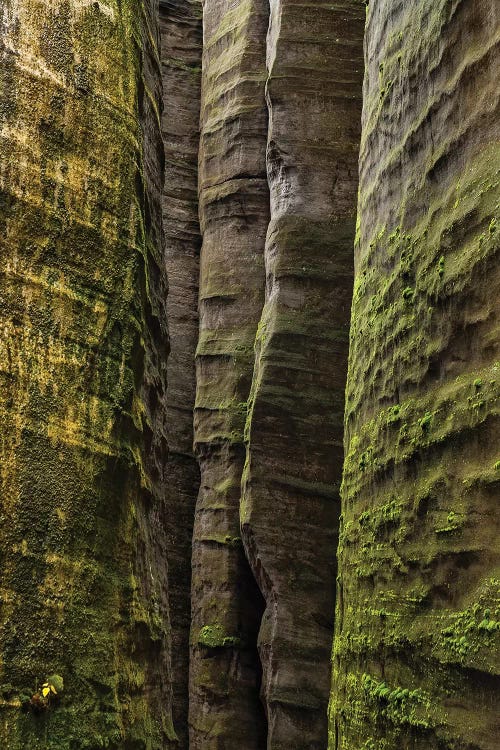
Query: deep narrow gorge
[[249, 375]]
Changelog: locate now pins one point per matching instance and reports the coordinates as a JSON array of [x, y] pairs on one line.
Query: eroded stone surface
[[82, 367], [181, 34], [290, 503], [225, 710], [416, 652]]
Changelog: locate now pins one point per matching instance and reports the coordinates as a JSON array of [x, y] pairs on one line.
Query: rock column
[[417, 652]]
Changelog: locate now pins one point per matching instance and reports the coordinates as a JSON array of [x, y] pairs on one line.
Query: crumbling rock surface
[[416, 649]]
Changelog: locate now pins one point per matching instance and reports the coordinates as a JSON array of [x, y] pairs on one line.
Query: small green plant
[[366, 459], [487, 623], [425, 422], [214, 636], [49, 692], [453, 523], [393, 414], [478, 384], [441, 265], [408, 294]]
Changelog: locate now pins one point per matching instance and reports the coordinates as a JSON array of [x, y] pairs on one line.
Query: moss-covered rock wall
[[416, 654], [83, 587], [121, 457]]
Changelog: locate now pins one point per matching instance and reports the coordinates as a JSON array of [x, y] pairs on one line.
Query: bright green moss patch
[[214, 636]]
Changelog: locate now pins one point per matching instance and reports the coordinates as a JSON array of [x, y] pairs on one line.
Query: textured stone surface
[[181, 33], [417, 647], [82, 369], [225, 710], [290, 503], [96, 520]]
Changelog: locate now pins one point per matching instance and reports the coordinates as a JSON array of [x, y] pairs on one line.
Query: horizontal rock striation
[[82, 379], [181, 35], [225, 710], [416, 653], [290, 502]]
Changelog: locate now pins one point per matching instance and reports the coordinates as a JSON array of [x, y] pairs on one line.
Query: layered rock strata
[[225, 709], [290, 501], [82, 365], [416, 655], [181, 34]]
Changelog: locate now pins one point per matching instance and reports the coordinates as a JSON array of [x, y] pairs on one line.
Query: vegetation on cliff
[[181, 460]]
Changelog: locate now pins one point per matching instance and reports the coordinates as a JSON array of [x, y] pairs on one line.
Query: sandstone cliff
[[83, 379], [226, 603], [180, 462], [416, 650], [290, 502], [181, 37]]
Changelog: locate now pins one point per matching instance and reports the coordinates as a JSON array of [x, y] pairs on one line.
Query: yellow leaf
[[45, 691], [53, 690]]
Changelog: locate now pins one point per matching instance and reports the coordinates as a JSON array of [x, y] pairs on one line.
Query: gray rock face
[[290, 501], [297, 155], [181, 37], [225, 709]]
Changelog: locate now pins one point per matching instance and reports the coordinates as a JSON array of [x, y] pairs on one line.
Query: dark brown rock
[[181, 35], [225, 710]]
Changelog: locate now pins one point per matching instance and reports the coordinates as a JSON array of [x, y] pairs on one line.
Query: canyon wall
[[278, 184], [83, 379], [181, 45], [179, 462], [417, 643], [290, 501], [225, 709]]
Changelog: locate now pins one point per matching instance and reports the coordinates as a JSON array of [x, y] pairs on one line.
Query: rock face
[[225, 710], [82, 367], [169, 513], [181, 35], [416, 651], [290, 503]]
